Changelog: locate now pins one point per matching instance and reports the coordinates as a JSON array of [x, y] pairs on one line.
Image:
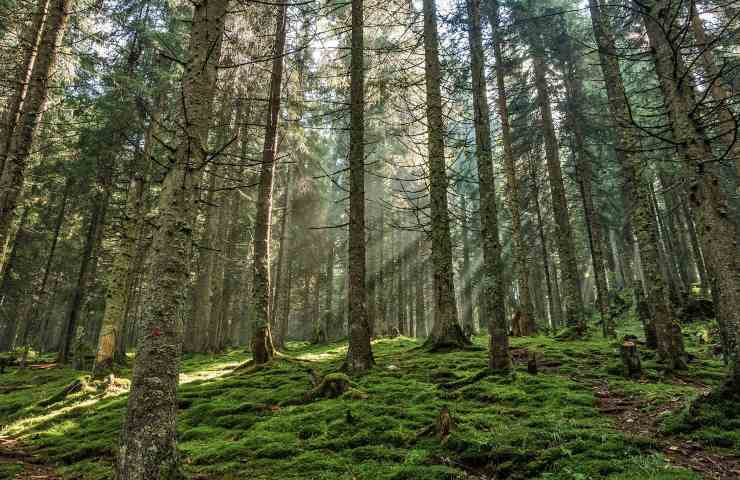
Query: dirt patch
[[28, 466], [637, 417]]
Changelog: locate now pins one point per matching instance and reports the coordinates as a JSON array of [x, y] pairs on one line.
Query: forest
[[374, 240]]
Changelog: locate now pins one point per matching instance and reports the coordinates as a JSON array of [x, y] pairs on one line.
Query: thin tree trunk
[[553, 303], [13, 174], [262, 346], [80, 289], [119, 280], [574, 315], [521, 261], [359, 352], [466, 275], [584, 172]]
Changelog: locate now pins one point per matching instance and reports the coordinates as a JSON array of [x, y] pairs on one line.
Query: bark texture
[[262, 346], [716, 226], [670, 343], [29, 115], [492, 285], [571, 294], [149, 437], [359, 353], [446, 331]]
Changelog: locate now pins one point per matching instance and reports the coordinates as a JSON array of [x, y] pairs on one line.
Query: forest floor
[[577, 419]]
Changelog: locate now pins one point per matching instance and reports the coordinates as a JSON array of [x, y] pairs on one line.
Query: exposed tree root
[[74, 387]]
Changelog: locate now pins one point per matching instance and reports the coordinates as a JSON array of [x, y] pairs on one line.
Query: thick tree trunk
[[359, 352], [262, 346], [670, 342], [717, 229], [446, 331], [721, 92], [13, 174], [492, 285], [574, 315], [148, 439]]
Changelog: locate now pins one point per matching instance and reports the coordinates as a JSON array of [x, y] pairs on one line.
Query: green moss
[[243, 424]]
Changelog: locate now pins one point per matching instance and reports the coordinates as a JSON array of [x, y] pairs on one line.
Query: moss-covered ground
[[251, 424]]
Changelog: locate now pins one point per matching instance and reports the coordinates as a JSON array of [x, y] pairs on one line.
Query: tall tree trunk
[[149, 435], [574, 315], [446, 331], [521, 261], [359, 352], [262, 346], [553, 301], [718, 232], [721, 92], [670, 343], [277, 336], [466, 275], [492, 268], [13, 174], [30, 40], [584, 172], [79, 291], [119, 280]]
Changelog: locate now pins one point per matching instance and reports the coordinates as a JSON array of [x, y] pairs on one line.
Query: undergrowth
[[244, 423]]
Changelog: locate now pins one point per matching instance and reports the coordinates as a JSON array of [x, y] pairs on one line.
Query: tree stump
[[532, 363], [445, 424], [631, 359]]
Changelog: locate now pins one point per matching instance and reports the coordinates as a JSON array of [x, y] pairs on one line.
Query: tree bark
[[359, 352], [149, 437], [574, 314], [446, 331], [492, 285], [670, 342], [262, 347], [717, 229], [13, 174]]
